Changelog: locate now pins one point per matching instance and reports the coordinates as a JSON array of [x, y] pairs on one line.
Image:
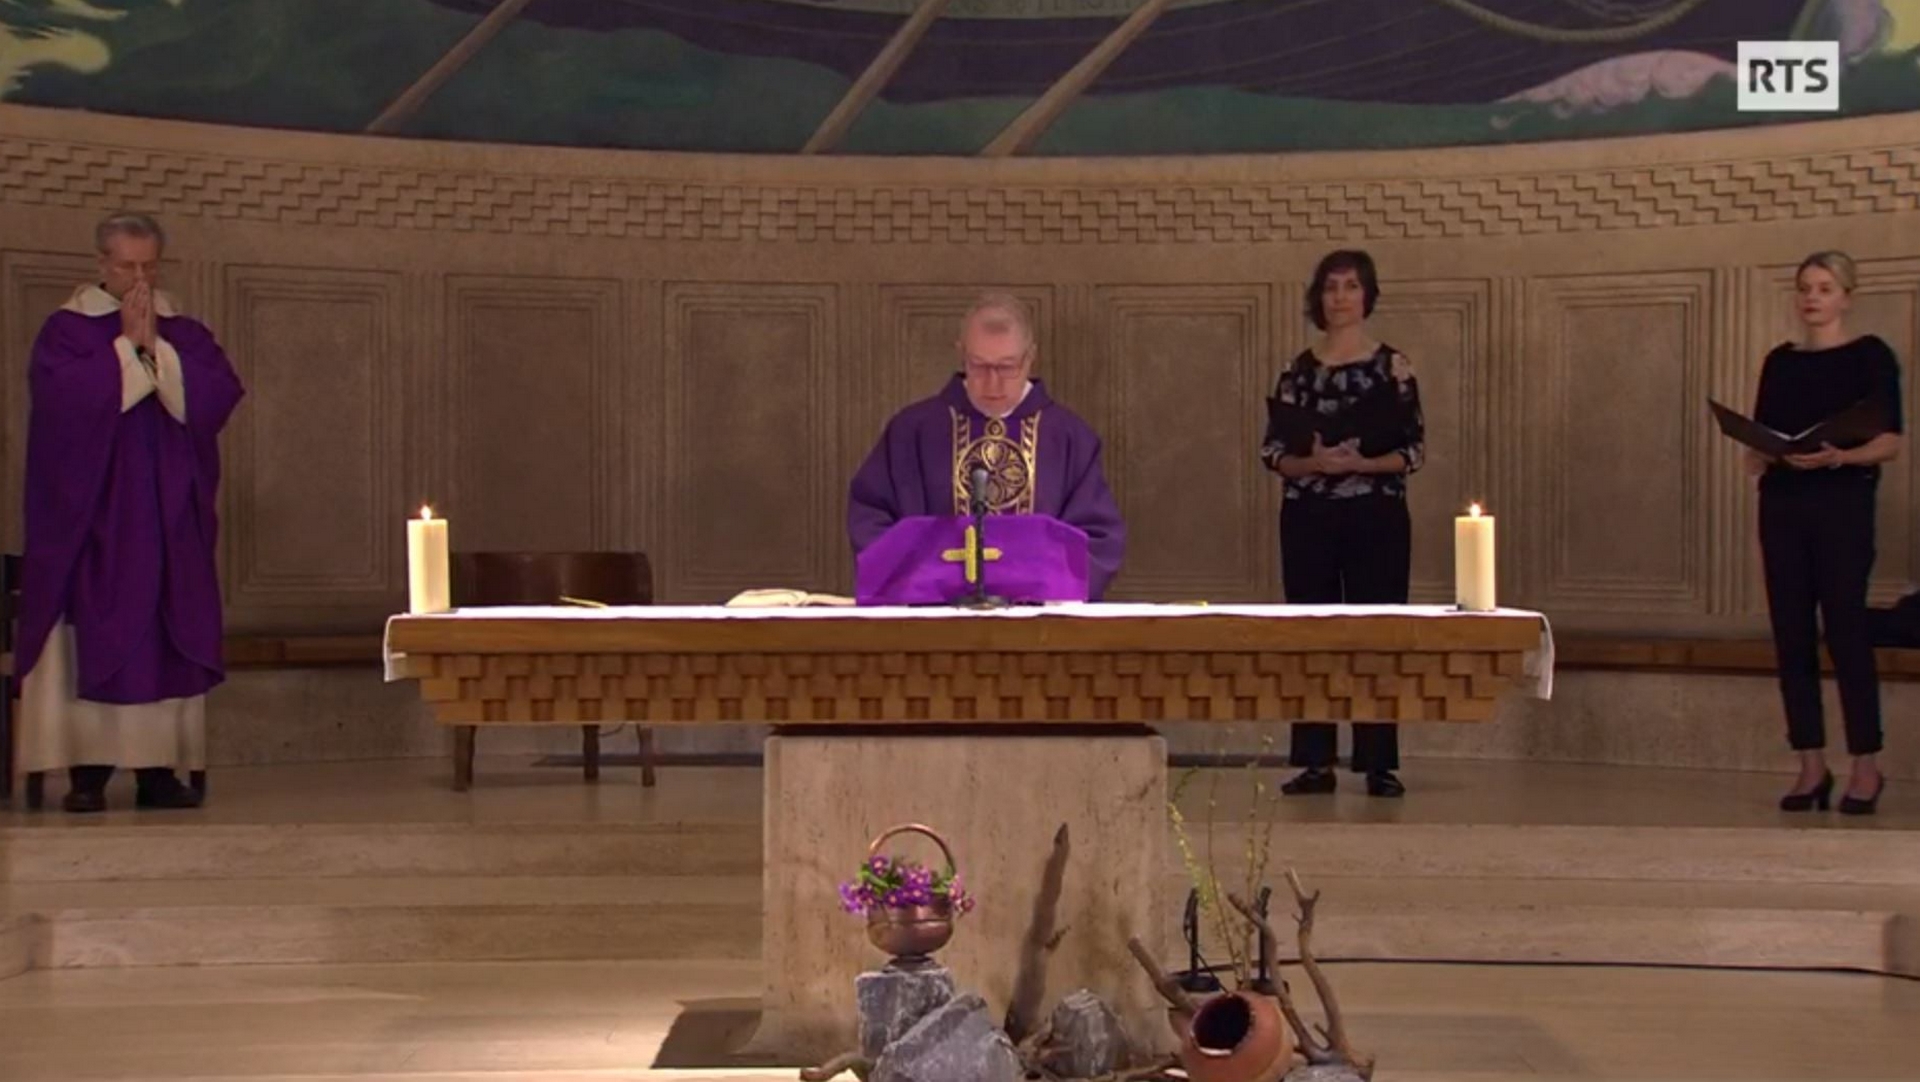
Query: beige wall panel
[[1617, 445], [537, 369], [1188, 366], [313, 457], [750, 451]]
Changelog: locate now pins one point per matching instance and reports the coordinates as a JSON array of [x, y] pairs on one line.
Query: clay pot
[[1237, 1037]]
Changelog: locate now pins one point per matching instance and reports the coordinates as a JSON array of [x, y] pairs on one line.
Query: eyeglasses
[[993, 371]]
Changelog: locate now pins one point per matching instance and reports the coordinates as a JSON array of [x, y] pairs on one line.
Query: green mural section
[[333, 65]]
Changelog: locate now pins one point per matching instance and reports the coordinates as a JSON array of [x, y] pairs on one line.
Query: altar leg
[[998, 799], [463, 740]]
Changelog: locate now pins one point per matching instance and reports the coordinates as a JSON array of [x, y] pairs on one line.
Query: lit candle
[[427, 563], [1473, 560]]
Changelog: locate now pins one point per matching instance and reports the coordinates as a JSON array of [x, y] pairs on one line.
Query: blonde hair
[[1009, 309], [1834, 262]]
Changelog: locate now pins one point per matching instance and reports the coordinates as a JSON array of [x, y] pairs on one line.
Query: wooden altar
[[1069, 663], [997, 726]]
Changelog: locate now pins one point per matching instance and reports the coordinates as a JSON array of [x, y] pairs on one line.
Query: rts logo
[[1789, 77]]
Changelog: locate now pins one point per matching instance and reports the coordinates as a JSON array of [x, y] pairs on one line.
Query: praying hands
[[137, 319]]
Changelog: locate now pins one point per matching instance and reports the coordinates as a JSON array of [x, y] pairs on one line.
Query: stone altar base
[[997, 797]]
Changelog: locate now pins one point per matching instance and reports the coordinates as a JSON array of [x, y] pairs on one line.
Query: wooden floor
[[163, 939]]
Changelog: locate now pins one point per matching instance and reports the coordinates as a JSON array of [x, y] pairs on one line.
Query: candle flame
[[1474, 510], [426, 513]]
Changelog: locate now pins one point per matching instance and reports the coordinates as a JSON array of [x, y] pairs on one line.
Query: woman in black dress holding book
[[1817, 526], [1345, 536]]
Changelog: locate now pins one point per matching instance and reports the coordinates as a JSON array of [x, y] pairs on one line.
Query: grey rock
[[892, 1000], [957, 1042], [1324, 1072], [1093, 1041]]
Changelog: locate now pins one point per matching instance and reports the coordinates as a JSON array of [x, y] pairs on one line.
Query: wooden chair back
[[549, 578]]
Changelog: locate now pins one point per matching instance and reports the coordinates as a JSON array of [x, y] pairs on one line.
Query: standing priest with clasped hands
[[120, 622], [1038, 458]]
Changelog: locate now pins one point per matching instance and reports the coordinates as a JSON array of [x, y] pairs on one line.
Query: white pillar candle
[[427, 578], [1473, 560]]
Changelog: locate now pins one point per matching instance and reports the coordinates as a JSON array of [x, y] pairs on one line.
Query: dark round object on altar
[[911, 933]]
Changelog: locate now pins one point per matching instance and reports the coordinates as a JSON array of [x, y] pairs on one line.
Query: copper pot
[[911, 933], [1237, 1037]]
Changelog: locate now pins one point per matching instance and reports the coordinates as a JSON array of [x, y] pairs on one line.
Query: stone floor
[[235, 941], [643, 1020], [509, 789]]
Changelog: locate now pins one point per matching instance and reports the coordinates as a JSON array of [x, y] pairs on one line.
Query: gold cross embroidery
[[971, 555]]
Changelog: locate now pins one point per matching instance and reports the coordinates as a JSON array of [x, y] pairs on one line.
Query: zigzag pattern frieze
[[83, 175]]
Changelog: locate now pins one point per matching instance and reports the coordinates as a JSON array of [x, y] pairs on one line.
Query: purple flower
[[889, 882]]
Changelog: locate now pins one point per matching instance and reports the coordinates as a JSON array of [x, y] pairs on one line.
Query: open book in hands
[[1378, 421], [1851, 427]]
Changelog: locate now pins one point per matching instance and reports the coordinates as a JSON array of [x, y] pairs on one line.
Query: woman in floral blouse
[[1345, 536]]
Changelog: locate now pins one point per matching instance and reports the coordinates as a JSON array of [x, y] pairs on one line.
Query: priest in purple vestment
[[120, 621], [1040, 458]]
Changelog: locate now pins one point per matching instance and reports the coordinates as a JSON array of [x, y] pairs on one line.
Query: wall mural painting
[[1193, 77]]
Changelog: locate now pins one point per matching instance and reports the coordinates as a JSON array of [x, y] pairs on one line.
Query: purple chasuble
[[121, 513], [1040, 460]]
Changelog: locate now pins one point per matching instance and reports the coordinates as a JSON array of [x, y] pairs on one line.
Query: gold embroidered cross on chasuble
[[1010, 463]]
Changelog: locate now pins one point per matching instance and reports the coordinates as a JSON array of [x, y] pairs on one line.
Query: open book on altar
[[784, 599], [1023, 559]]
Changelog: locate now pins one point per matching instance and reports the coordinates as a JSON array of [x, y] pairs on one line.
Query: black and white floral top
[[1328, 390]]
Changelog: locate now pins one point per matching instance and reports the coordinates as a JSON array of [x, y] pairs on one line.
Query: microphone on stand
[[977, 510]]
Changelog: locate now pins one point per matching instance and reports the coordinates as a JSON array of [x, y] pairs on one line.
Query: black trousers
[[1816, 542], [1355, 551]]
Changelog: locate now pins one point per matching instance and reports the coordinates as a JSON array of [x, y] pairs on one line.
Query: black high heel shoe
[[1854, 805], [1819, 796]]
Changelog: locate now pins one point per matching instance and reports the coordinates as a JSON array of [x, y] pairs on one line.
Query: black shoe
[[1853, 805], [1383, 783], [162, 789], [85, 801], [1311, 781], [1817, 797]]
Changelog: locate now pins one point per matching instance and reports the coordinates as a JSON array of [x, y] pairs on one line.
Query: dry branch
[[1030, 978], [837, 1066], [1163, 982], [1336, 1028], [1314, 1051], [1035, 1048]]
